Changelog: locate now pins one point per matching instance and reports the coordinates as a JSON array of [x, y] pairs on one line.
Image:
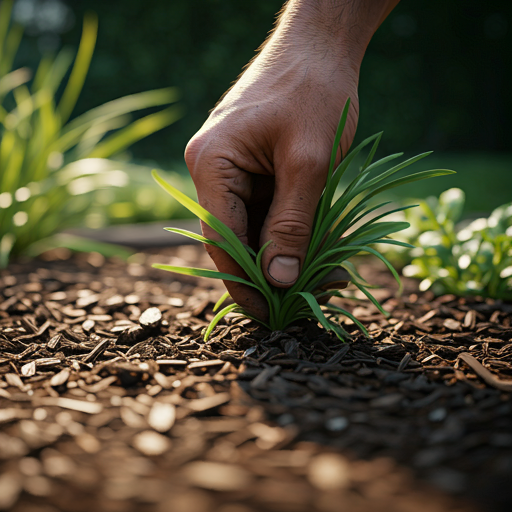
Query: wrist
[[343, 28]]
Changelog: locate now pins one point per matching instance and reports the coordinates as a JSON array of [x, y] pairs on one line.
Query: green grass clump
[[343, 227], [51, 166]]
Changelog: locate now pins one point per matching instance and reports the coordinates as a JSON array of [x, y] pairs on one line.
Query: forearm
[[342, 26]]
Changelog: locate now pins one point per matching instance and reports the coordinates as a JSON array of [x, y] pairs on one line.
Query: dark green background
[[437, 75]]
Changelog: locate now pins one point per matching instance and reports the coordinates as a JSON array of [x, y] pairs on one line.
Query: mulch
[[111, 401]]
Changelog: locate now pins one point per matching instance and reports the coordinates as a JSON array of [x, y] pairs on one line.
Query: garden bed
[[109, 404]]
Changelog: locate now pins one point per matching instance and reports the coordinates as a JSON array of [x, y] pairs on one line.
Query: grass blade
[[337, 309], [337, 137], [317, 311], [423, 175], [192, 235], [219, 303], [372, 299], [217, 318], [203, 272], [80, 68]]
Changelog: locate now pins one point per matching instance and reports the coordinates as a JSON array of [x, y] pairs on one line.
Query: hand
[[260, 161]]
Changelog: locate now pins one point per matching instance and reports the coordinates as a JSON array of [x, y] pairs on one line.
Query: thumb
[[290, 220]]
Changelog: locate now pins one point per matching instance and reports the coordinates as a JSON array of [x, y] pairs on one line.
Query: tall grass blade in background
[[343, 228], [51, 167]]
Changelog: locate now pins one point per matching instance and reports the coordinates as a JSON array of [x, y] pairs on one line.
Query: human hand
[[260, 161]]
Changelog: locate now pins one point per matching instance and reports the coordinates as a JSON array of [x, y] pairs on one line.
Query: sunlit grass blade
[[219, 303], [337, 309], [423, 175], [338, 135], [135, 131], [370, 232], [385, 261], [11, 45], [395, 242], [260, 254], [12, 80], [243, 258], [372, 152], [374, 301], [5, 18], [395, 169], [203, 272], [354, 274], [217, 318], [192, 235], [80, 68], [72, 132], [317, 311]]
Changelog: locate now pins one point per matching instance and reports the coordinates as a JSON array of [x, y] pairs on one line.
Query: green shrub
[[461, 258], [51, 167]]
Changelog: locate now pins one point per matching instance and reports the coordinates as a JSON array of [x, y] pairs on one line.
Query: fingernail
[[284, 269]]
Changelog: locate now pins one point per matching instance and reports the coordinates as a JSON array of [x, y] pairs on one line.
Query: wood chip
[[206, 364], [484, 373], [217, 476], [172, 362], [209, 402], [60, 378], [162, 416], [29, 369], [150, 443], [451, 324], [427, 316], [69, 403], [88, 325], [151, 317]]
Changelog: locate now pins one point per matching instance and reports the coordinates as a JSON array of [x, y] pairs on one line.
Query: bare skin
[[260, 161]]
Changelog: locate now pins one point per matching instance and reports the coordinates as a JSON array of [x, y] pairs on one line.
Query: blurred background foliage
[[436, 75], [54, 172]]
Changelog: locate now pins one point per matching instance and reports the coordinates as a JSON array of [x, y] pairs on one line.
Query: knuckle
[[291, 229], [193, 151], [309, 160]]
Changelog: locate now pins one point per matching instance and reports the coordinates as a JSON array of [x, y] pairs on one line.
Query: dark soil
[[111, 401]]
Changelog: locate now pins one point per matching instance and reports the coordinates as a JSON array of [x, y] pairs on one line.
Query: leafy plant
[[342, 228], [50, 167], [461, 258]]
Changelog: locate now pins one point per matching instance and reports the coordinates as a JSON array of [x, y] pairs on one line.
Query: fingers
[[289, 222], [221, 189], [336, 279]]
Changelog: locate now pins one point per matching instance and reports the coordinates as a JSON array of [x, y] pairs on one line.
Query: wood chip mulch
[[111, 401]]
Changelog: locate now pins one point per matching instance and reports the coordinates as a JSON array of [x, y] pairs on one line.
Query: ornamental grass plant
[[51, 166], [343, 227]]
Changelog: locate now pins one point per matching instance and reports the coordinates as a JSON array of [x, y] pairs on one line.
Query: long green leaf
[[203, 272], [136, 131], [337, 137], [317, 311], [217, 318], [244, 259], [192, 235], [374, 301], [395, 169], [423, 175], [219, 303], [80, 68], [337, 309]]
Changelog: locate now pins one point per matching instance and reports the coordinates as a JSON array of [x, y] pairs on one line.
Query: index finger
[[221, 189]]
